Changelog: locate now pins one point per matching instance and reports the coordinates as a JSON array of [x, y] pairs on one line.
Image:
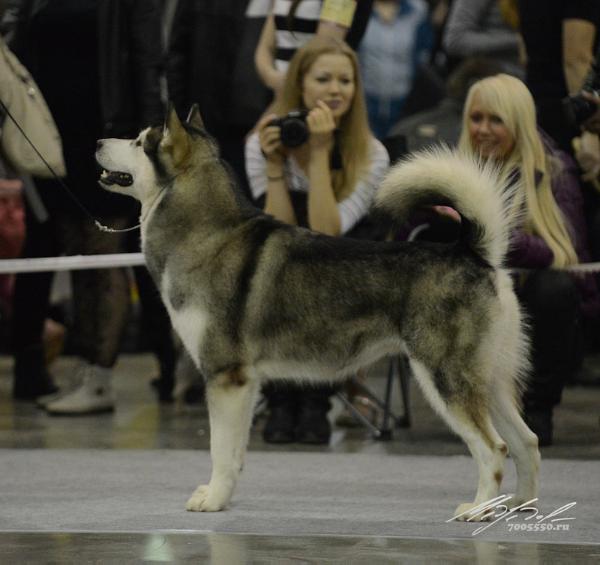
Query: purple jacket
[[532, 252]]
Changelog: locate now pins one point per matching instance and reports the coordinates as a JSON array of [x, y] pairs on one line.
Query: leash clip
[[106, 229]]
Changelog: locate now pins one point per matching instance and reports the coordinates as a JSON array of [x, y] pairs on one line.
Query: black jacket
[[130, 56], [203, 47]]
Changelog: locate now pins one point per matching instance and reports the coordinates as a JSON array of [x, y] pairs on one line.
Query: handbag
[[23, 107]]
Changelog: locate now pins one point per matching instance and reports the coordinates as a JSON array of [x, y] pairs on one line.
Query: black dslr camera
[[293, 129], [577, 108]]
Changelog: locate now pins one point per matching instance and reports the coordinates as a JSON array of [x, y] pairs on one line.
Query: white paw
[[207, 498], [465, 513]]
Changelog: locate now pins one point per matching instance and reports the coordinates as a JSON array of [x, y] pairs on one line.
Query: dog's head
[[142, 166]]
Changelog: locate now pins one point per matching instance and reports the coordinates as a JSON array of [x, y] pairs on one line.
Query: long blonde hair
[[507, 97], [354, 135]]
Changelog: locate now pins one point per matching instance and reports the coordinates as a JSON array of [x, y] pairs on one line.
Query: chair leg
[[377, 432], [404, 377], [399, 366], [387, 405]]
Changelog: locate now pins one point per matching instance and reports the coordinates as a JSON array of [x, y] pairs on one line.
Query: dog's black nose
[[99, 144]]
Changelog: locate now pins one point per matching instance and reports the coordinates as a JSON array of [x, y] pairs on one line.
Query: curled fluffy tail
[[449, 177]]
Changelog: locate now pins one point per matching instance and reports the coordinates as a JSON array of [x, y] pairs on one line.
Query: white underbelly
[[316, 370]]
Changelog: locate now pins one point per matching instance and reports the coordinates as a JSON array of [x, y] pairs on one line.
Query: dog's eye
[[138, 143]]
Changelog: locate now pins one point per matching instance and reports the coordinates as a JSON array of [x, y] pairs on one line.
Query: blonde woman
[[499, 123], [325, 182]]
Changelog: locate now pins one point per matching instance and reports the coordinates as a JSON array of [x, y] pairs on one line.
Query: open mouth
[[116, 177]]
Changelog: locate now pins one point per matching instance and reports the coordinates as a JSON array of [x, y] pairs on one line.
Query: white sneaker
[[43, 401], [72, 384], [92, 396]]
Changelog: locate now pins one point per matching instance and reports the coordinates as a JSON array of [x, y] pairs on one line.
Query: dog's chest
[[189, 319]]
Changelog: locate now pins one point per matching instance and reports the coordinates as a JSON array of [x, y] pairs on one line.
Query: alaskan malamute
[[255, 299]]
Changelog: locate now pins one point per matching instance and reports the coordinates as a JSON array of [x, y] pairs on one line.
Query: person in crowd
[[439, 14], [477, 27], [499, 124], [202, 50], [325, 182], [290, 24], [560, 39], [97, 63], [397, 43]]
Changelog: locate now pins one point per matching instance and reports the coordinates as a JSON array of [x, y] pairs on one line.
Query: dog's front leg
[[231, 398]]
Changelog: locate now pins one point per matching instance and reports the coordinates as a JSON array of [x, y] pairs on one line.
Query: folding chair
[[398, 369]]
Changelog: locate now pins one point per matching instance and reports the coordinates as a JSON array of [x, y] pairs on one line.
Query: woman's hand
[[321, 125], [270, 141]]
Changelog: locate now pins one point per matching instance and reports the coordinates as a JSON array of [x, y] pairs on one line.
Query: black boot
[[164, 384], [281, 421], [31, 377], [313, 425]]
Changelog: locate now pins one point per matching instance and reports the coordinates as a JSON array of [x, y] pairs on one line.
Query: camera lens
[[294, 132]]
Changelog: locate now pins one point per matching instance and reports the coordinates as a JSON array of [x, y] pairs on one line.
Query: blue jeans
[[383, 113]]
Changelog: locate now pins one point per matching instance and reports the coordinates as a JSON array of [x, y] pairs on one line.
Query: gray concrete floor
[[139, 422]]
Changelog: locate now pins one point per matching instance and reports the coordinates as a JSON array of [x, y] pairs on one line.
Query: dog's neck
[[204, 202], [149, 207]]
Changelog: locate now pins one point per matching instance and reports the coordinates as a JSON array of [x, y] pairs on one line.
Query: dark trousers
[[100, 297], [552, 304], [552, 118]]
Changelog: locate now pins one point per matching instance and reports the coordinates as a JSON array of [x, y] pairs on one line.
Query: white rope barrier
[[71, 263], [80, 262], [584, 268]]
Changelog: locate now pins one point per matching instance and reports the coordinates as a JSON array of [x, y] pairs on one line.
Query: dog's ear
[[175, 138], [194, 118], [172, 123]]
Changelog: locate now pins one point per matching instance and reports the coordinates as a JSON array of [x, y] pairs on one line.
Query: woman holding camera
[[324, 180]]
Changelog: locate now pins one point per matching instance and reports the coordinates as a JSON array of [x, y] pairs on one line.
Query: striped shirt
[[303, 27], [352, 209], [290, 36]]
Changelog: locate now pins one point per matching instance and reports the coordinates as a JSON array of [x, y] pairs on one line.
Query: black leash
[[100, 226]]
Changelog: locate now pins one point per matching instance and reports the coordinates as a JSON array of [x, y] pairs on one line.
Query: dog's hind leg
[[467, 415], [522, 444], [489, 451], [231, 397], [511, 339]]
